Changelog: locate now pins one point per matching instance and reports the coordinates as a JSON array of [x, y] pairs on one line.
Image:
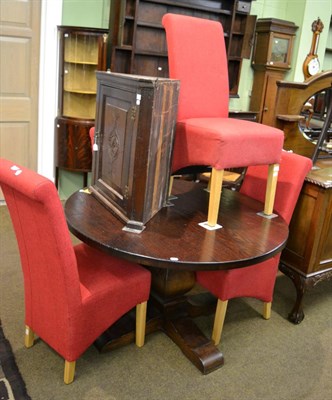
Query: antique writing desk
[[173, 246]]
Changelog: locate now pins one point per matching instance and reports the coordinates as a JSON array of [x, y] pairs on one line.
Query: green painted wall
[[88, 13], [328, 53]]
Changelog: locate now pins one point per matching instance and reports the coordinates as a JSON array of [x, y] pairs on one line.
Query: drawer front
[[243, 6]]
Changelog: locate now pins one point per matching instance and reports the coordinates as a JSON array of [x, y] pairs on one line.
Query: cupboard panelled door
[[117, 142]]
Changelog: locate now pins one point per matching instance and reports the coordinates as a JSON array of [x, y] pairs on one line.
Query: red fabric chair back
[[204, 87], [288, 186], [92, 136], [45, 247]]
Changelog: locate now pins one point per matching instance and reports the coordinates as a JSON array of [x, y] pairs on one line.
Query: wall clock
[[311, 64]]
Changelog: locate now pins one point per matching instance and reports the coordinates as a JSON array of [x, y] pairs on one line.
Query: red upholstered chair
[[92, 136], [205, 136], [258, 280], [72, 293]]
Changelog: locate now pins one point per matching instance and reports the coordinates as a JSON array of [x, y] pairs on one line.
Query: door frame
[[51, 17]]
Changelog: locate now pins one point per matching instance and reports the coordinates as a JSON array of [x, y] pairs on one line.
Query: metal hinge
[[126, 192], [133, 112]]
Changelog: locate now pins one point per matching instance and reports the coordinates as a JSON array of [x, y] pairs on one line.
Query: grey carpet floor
[[264, 360]]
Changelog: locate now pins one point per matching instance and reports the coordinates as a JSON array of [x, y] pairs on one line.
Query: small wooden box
[[135, 122]]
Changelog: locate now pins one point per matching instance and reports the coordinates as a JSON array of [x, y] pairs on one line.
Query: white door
[[19, 74]]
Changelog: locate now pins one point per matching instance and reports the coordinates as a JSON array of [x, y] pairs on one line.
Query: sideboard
[[307, 258]]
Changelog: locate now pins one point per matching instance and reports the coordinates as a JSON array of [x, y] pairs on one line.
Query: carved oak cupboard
[[135, 124]]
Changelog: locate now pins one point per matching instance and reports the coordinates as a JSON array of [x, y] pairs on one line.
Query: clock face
[[279, 52], [313, 66]]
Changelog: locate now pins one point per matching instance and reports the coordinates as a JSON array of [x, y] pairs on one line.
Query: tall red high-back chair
[[205, 136], [257, 280], [72, 293]]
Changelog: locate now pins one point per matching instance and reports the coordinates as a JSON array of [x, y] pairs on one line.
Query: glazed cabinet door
[[82, 53]]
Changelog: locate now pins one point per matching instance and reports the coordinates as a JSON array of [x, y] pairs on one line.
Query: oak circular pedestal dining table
[[173, 246]]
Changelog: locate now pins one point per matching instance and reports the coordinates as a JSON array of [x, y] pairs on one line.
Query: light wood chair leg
[[267, 310], [209, 184], [215, 194], [29, 337], [219, 320], [271, 188], [171, 180], [140, 323], [69, 372]]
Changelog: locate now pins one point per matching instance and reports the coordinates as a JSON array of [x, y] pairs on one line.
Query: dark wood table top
[[173, 239]]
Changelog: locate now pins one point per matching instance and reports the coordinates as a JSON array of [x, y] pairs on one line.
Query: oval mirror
[[314, 111]]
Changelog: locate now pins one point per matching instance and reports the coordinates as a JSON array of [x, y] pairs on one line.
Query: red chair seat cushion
[[225, 143], [100, 273]]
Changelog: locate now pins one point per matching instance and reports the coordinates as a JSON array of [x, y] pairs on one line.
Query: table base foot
[[201, 351]]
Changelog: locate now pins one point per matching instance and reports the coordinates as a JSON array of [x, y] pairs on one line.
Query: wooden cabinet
[[82, 51], [138, 43], [135, 124], [271, 59], [307, 258]]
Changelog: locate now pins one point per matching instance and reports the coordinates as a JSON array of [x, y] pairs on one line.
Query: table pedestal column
[[171, 310], [169, 288]]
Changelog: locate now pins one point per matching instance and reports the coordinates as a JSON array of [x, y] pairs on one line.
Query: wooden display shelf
[[81, 62], [80, 91], [78, 105], [81, 47]]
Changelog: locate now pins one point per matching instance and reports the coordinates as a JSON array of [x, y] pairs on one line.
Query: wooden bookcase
[[82, 51], [138, 42]]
